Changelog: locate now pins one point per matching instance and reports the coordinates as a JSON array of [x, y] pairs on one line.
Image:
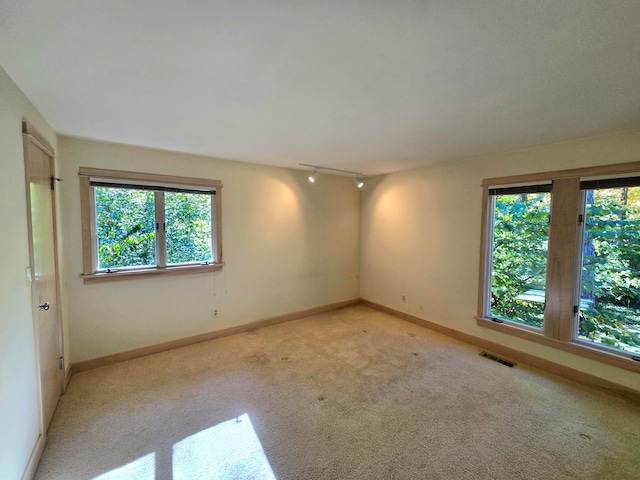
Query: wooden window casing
[[90, 269], [560, 324]]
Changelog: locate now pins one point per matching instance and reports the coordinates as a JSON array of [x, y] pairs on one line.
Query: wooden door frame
[[30, 136]]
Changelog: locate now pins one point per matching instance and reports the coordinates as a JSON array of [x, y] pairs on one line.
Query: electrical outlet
[[215, 313], [404, 298]]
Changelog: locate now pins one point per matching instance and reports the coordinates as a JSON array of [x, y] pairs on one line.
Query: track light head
[[314, 176]]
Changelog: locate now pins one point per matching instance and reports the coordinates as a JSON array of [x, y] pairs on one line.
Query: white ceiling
[[369, 85]]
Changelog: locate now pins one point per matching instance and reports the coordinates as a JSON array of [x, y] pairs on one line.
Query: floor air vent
[[497, 359]]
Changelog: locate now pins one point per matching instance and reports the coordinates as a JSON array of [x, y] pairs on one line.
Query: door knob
[[44, 306]]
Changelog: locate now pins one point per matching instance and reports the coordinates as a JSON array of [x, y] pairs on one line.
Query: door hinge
[[60, 363], [575, 309], [580, 219], [53, 182]]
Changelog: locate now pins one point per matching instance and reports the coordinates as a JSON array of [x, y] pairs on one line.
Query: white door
[[44, 279]]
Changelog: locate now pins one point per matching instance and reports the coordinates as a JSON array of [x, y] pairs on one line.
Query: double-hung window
[[560, 261], [143, 224]]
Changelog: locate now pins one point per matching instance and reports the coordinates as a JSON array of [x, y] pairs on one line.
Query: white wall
[[288, 246], [18, 376], [421, 237]]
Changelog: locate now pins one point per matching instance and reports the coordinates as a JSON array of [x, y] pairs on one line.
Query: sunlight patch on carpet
[[144, 468], [226, 451]]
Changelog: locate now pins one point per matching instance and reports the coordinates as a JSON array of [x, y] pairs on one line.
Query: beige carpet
[[353, 394]]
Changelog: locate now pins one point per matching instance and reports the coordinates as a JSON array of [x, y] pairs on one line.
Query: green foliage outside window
[[125, 227], [188, 227], [611, 269], [521, 231], [610, 288]]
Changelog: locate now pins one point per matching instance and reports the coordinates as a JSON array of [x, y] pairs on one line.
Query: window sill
[[150, 272], [610, 357]]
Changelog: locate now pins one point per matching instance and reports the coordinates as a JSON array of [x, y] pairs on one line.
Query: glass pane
[[610, 289], [188, 217], [519, 263], [125, 227]]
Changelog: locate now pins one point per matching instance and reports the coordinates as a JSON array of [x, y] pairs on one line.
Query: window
[[520, 233], [141, 224], [610, 266], [560, 261]]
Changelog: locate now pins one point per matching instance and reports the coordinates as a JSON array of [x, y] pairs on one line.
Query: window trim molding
[[561, 266], [576, 347], [90, 272]]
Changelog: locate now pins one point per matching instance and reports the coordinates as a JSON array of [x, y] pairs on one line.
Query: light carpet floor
[[351, 394]]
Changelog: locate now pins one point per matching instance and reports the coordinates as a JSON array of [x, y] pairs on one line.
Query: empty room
[[320, 240]]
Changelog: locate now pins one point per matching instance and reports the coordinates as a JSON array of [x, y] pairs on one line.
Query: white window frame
[[579, 263], [92, 273], [489, 239]]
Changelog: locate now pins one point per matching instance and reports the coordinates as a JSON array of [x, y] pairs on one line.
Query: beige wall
[[19, 428], [421, 237], [288, 246]]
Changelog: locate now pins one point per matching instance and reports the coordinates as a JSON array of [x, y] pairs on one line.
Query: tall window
[[561, 261], [519, 253], [148, 224], [610, 267]]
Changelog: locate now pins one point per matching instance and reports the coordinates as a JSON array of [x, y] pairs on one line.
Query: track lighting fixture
[[314, 176]]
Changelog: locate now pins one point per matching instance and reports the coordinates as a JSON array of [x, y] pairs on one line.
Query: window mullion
[[561, 264], [161, 227]]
